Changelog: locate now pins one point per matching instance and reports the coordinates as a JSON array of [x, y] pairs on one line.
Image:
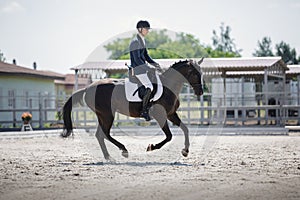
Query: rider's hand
[[158, 68]]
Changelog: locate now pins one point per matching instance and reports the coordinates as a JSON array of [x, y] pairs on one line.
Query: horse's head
[[186, 71], [193, 74]]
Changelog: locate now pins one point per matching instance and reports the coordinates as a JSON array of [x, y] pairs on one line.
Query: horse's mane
[[178, 65]]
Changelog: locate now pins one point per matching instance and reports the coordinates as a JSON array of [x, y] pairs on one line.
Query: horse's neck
[[173, 80]]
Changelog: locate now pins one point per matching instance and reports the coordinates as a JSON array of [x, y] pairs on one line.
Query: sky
[[60, 34]]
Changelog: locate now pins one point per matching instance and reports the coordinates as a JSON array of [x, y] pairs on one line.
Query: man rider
[[139, 58]]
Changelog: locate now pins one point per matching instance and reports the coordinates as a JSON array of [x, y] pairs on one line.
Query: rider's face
[[145, 31]]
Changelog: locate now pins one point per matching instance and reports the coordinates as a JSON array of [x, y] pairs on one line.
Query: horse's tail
[[76, 98]]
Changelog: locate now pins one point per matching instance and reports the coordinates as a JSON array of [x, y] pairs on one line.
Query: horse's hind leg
[[177, 121], [106, 124], [100, 137]]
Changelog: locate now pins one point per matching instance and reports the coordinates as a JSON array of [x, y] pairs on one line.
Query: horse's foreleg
[[177, 121], [160, 115], [168, 133], [100, 137]]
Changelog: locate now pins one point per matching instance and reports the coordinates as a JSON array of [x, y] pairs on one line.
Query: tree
[[287, 53], [264, 48], [2, 58], [157, 38], [224, 43], [160, 45], [184, 45], [219, 54], [118, 48]]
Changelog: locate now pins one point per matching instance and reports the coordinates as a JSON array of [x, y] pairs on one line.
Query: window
[[30, 103], [11, 98], [27, 100], [26, 96], [47, 100]]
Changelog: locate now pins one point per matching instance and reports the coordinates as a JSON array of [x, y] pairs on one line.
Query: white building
[[23, 89]]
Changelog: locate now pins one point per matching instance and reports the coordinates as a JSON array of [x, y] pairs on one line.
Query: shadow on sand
[[139, 164]]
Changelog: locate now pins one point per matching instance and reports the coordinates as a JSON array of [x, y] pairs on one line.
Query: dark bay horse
[[107, 96]]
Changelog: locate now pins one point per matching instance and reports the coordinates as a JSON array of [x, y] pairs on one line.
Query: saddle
[[134, 90]]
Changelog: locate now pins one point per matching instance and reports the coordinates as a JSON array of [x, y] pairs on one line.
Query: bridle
[[194, 85]]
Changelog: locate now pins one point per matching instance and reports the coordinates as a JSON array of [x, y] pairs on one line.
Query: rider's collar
[[142, 37]]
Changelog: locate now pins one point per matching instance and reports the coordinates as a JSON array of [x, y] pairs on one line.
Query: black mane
[[179, 64]]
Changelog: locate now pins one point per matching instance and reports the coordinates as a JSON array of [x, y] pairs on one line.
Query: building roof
[[221, 64], [70, 80], [243, 64], [110, 65], [11, 69], [293, 69]]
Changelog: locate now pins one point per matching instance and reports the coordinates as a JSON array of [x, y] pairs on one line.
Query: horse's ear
[[189, 61], [200, 61]]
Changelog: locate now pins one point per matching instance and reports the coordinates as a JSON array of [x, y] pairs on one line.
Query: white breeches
[[143, 78]]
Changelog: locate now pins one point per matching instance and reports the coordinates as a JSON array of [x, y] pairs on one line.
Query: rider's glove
[[158, 68]]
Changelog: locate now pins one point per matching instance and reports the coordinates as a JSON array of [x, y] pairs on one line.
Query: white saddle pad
[[130, 88]]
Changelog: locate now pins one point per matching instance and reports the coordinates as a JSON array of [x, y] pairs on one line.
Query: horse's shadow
[[139, 164]]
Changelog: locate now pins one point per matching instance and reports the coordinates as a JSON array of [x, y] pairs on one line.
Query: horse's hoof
[[125, 154], [150, 147], [185, 152], [110, 159]]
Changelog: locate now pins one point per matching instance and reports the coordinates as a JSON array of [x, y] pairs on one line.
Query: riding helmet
[[143, 24]]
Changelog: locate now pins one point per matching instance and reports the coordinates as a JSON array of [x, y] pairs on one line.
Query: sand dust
[[223, 167]]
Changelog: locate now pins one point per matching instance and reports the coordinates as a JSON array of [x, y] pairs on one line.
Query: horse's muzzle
[[198, 91], [199, 94]]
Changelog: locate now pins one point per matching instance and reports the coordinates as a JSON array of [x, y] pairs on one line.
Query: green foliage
[[219, 54], [287, 53], [264, 48], [117, 75], [156, 38], [224, 42], [118, 47], [126, 56], [58, 115], [161, 46], [185, 46], [47, 125], [163, 53]]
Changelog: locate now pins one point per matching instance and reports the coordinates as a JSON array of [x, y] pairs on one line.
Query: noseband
[[195, 84]]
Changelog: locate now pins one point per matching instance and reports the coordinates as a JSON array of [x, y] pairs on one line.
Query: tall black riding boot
[[145, 111]]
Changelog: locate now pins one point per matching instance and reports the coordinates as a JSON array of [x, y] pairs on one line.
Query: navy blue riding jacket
[[139, 55]]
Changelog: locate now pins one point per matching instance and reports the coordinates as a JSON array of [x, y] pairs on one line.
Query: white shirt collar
[[143, 39]]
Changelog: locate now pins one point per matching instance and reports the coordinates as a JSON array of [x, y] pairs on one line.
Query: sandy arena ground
[[218, 167]]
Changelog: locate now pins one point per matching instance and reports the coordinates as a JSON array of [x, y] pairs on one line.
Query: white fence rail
[[192, 112]]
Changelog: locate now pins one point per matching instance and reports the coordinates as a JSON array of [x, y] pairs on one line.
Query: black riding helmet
[[143, 24]]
